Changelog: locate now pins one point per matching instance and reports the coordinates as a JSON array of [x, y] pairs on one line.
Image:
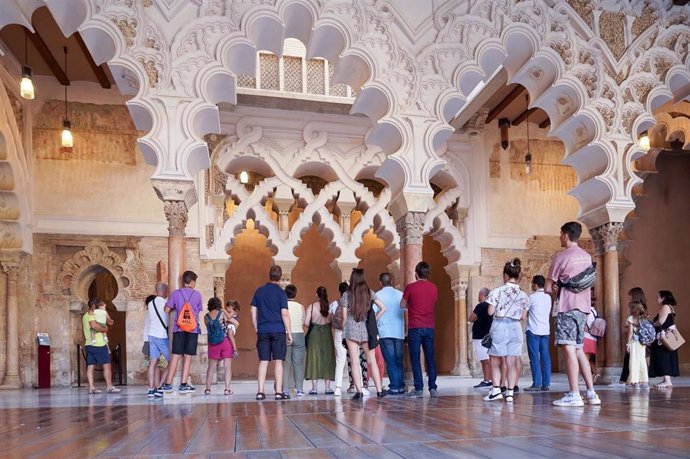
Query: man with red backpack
[[187, 304]]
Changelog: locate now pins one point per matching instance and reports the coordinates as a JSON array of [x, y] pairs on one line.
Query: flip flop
[[95, 391], [281, 396], [260, 396], [207, 392], [228, 392]]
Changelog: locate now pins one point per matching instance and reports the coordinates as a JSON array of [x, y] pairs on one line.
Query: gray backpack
[[646, 334]]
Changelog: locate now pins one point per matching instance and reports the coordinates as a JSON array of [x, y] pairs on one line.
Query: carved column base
[[609, 374], [11, 382]]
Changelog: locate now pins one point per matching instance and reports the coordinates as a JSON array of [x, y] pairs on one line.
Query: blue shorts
[[97, 355], [158, 347], [506, 337]]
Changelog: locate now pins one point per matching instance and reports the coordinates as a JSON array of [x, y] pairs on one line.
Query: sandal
[[95, 391], [113, 390], [313, 392], [228, 392], [260, 396], [282, 396], [329, 392], [207, 392], [662, 385]]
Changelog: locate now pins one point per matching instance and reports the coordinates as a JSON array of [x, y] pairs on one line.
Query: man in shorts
[[159, 346], [271, 319], [183, 343], [96, 349], [573, 309], [481, 325]]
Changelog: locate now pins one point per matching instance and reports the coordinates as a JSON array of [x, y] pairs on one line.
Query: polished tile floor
[[61, 423]]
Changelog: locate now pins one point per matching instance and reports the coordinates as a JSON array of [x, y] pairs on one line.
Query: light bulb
[[26, 86], [528, 163], [67, 140], [244, 177], [644, 141]]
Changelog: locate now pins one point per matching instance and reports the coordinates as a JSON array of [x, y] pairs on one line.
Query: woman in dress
[[356, 306], [664, 363], [222, 351], [508, 305], [634, 294], [320, 350]]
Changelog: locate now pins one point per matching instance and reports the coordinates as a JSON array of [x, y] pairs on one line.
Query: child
[[102, 319], [232, 309], [638, 378]]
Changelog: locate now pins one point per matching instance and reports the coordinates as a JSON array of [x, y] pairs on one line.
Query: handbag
[[671, 338], [306, 335], [372, 329], [487, 341]]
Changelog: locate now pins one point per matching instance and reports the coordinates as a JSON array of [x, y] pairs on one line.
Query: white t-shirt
[[296, 311], [156, 329], [509, 301], [539, 313]]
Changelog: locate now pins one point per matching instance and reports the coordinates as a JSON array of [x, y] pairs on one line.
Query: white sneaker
[[491, 396], [593, 399], [337, 392], [365, 392], [570, 400]]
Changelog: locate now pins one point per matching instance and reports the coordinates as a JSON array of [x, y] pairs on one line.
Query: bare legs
[[486, 369], [353, 350], [576, 362]]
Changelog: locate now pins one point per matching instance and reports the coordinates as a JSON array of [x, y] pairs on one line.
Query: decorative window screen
[[316, 73], [339, 90], [246, 81], [269, 71], [292, 74]]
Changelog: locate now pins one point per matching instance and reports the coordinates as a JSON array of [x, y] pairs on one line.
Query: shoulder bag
[[372, 328]]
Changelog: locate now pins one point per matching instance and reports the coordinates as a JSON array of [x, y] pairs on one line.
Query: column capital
[[219, 287], [411, 227], [11, 263], [605, 237], [287, 267], [459, 288], [176, 214], [346, 270], [175, 190]]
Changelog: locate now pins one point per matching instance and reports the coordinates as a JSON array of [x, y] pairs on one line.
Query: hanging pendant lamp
[[528, 156], [26, 86], [66, 136]]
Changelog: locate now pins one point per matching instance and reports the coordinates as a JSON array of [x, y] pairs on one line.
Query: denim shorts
[[158, 347], [506, 337], [570, 328]]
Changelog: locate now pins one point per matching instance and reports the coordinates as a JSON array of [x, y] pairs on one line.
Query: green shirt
[[91, 337]]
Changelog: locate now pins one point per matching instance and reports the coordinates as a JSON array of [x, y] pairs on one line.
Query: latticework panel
[[316, 77], [246, 81], [269, 71], [292, 74], [339, 90]]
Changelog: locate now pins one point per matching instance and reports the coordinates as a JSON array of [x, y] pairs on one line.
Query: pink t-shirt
[[566, 264]]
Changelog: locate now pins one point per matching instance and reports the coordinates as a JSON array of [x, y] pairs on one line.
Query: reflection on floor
[[70, 423]]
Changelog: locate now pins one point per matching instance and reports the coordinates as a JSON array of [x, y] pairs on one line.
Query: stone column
[[411, 230], [459, 288], [287, 267], [598, 290], [178, 197], [11, 268], [176, 214], [346, 268], [609, 233]]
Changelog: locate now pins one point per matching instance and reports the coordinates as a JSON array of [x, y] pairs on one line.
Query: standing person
[[271, 319], [634, 294], [638, 378], [186, 302], [507, 304], [572, 314], [294, 358], [481, 324], [590, 346], [159, 344], [217, 322], [336, 310], [663, 363], [392, 334], [356, 308], [320, 350], [96, 349], [537, 334], [419, 298]]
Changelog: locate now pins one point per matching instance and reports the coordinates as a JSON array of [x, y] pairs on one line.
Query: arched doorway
[[104, 287]]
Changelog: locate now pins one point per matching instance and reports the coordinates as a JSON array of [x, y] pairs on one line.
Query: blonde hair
[[637, 310]]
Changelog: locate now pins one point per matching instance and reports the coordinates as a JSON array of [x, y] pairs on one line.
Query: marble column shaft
[[411, 230], [176, 214], [462, 345], [12, 374]]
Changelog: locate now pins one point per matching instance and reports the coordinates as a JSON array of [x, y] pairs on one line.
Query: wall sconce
[[504, 124], [644, 141], [26, 85], [244, 177]]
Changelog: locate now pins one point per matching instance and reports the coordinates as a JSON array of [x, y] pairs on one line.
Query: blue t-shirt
[[269, 300], [391, 323]]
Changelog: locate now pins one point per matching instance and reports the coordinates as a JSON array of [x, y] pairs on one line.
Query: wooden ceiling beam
[[523, 116], [544, 124], [47, 56], [97, 69], [493, 114]]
